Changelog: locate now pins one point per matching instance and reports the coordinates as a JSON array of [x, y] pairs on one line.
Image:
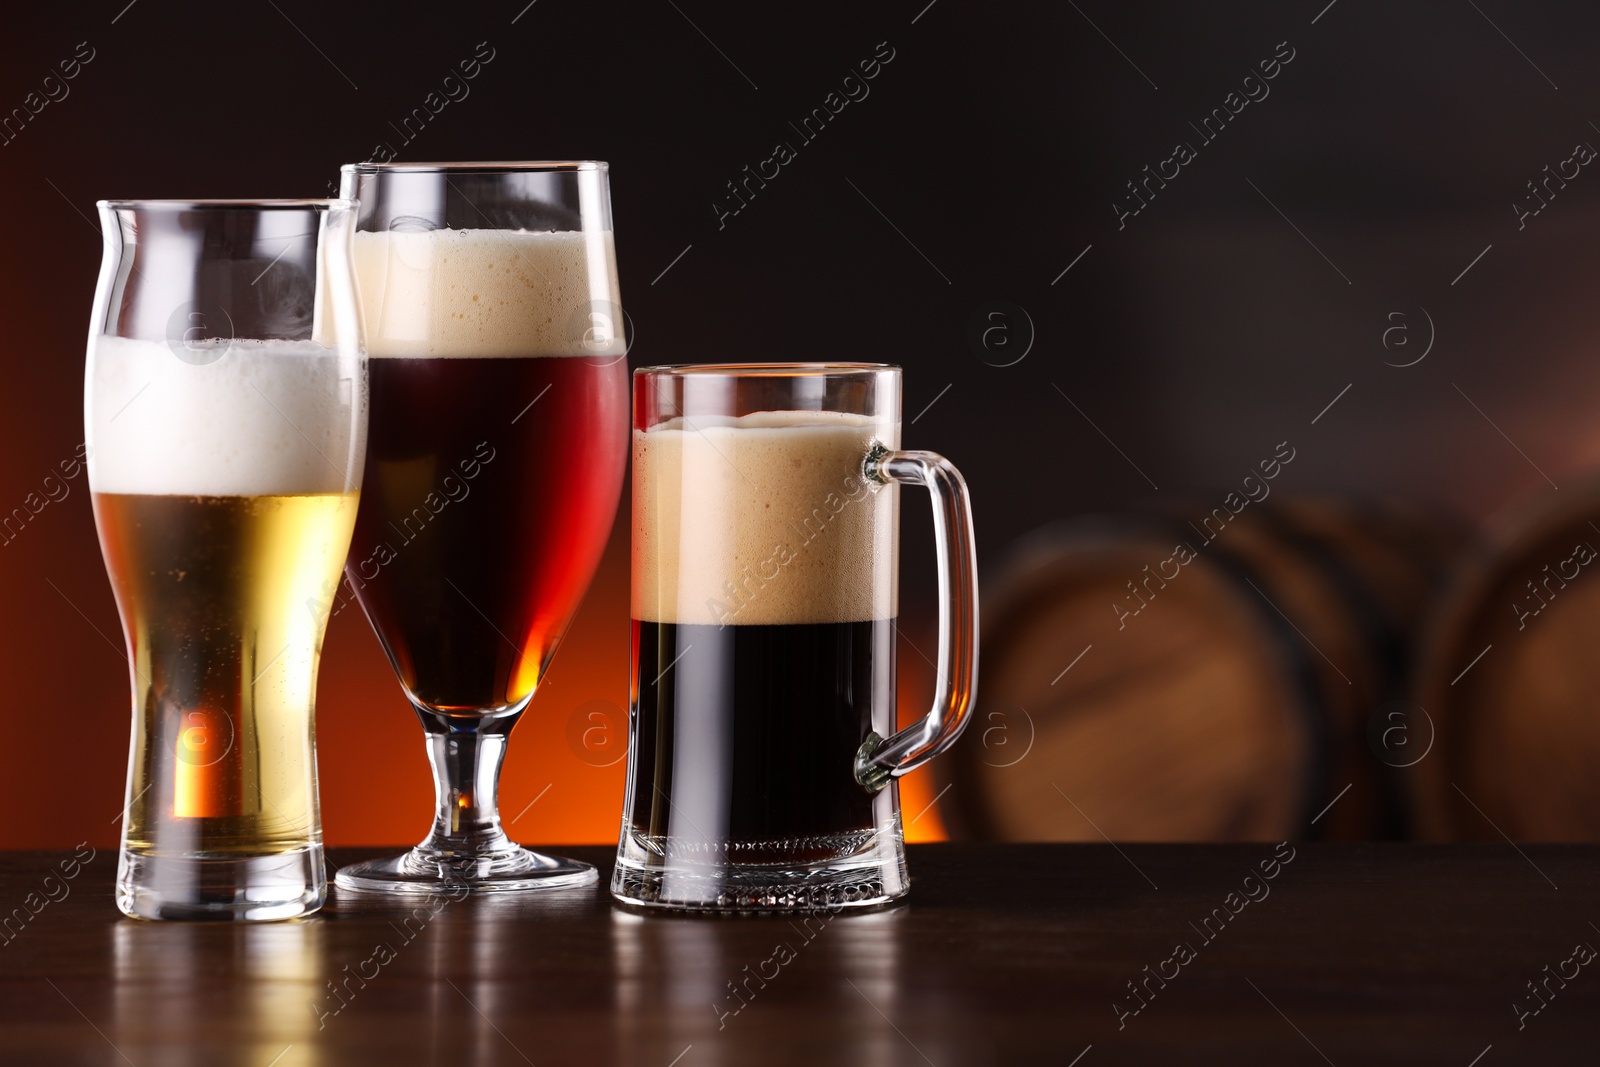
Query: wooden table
[[1005, 954]]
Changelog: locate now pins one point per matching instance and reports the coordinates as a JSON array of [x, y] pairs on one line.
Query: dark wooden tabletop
[[1004, 954]]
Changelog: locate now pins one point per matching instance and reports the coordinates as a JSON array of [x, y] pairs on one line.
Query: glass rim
[[488, 166], [765, 370], [280, 204]]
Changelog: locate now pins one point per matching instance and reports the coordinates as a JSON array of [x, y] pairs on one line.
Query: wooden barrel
[[1152, 678], [1509, 675]]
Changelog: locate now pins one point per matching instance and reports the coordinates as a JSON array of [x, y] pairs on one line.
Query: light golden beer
[[219, 598], [225, 479], [225, 420]]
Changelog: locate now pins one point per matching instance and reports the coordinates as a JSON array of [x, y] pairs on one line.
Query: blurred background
[[1303, 288]]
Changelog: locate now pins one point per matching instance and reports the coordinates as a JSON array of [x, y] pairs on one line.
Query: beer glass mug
[[494, 469], [762, 754], [225, 413]]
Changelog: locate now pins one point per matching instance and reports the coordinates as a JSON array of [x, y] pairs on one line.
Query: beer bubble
[[597, 733]]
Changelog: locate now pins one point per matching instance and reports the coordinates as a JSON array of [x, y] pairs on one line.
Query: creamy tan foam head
[[434, 293], [763, 519], [264, 417]]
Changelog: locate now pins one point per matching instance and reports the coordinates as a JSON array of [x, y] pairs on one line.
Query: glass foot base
[[502, 871], [285, 885], [735, 891], [863, 869]]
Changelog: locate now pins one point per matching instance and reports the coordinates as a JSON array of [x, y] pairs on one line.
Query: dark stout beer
[[763, 656], [749, 733]]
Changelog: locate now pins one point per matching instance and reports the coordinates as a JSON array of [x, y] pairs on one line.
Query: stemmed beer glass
[[499, 432]]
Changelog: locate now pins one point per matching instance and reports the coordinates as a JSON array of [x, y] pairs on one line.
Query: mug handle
[[879, 759]]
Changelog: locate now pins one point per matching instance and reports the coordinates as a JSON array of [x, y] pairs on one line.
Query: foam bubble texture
[[763, 519], [488, 293], [266, 417]]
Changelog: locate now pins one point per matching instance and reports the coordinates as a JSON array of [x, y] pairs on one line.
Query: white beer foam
[[266, 417], [488, 293], [763, 519]]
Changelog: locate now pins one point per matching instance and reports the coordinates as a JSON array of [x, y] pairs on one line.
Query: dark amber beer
[[495, 455], [482, 529]]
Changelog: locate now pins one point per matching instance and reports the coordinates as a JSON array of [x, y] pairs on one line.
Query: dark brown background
[[984, 161]]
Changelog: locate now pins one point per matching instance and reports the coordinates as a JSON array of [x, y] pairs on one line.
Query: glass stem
[[466, 754]]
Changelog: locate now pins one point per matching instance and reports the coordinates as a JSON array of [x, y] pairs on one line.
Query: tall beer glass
[[762, 752], [498, 444], [225, 414]]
